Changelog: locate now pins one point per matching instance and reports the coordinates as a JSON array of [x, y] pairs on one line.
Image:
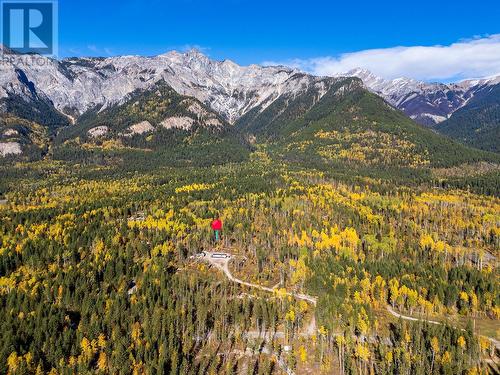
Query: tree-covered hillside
[[154, 105], [99, 273], [349, 129], [21, 139], [154, 127]]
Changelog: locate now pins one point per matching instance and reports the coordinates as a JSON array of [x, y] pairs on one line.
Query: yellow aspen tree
[[302, 354], [426, 242], [136, 333], [461, 342], [446, 358], [474, 302], [394, 291], [389, 357], [340, 340], [363, 354], [102, 362], [101, 341], [435, 350], [86, 346], [13, 362], [363, 322]]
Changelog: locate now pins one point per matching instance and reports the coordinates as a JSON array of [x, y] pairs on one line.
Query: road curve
[[222, 264]]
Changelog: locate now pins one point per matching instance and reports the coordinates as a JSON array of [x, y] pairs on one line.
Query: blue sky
[[258, 31]]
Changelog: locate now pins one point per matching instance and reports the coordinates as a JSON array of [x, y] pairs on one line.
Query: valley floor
[[101, 272]]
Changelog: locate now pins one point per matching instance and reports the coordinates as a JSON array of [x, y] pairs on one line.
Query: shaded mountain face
[[426, 103], [478, 122], [270, 120], [19, 96]]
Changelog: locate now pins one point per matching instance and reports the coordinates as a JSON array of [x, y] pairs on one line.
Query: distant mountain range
[[477, 123], [468, 110], [133, 98], [426, 103]]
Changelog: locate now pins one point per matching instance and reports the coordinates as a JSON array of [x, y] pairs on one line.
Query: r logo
[[30, 26]]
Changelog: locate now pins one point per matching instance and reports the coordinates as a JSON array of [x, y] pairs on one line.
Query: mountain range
[[134, 97], [467, 110], [426, 103], [76, 85]]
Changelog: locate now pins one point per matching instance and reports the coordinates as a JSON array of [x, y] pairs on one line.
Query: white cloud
[[187, 47], [473, 58], [98, 51]]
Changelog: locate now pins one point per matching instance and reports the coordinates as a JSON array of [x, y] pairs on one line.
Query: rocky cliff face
[[76, 85]]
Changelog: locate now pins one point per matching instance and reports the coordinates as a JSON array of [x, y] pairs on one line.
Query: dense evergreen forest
[[99, 274]]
